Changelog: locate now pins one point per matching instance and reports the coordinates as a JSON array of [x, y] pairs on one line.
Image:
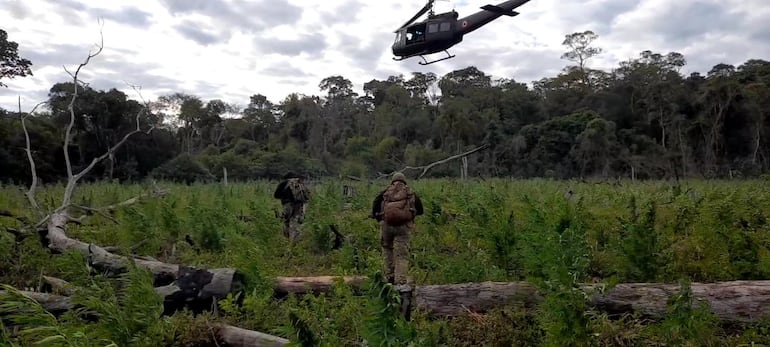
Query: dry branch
[[155, 193], [425, 168], [33, 185]]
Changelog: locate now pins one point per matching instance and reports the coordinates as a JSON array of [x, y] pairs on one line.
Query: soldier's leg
[[287, 209], [386, 241], [297, 218], [401, 254]]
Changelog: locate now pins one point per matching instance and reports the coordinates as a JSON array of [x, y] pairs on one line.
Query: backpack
[[398, 204], [297, 191]]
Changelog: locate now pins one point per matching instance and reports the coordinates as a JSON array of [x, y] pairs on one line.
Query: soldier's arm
[[376, 206], [279, 190], [418, 209]]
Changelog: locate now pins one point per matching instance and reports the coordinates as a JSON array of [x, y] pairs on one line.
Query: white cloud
[[231, 50]]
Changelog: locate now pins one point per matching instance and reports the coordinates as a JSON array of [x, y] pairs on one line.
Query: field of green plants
[[552, 233]]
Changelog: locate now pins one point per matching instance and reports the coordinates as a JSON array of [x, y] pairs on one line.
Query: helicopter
[[439, 32]]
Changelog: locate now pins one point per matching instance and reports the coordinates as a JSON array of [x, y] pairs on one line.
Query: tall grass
[[555, 234]]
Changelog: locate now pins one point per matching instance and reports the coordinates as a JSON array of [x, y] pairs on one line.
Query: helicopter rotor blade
[[419, 13]]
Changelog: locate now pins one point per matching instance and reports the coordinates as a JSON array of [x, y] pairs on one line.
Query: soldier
[[395, 209], [294, 196]]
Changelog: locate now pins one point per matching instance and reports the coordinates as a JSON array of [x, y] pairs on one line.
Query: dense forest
[[643, 119]]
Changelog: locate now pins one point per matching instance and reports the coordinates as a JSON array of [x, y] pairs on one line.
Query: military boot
[[405, 292]]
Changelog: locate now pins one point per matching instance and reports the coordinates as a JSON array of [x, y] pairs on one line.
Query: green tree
[[580, 51], [11, 65]]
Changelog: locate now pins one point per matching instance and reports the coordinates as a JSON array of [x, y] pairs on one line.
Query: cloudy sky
[[231, 49]]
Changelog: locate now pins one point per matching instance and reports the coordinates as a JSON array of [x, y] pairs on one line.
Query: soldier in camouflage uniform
[[294, 197], [394, 239]]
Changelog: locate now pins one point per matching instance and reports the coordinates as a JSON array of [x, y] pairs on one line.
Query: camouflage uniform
[[395, 239], [293, 214]]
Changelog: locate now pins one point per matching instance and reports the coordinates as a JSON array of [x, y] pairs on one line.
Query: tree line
[[642, 119]]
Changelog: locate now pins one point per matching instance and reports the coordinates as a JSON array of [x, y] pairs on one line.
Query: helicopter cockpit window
[[398, 37], [445, 26], [415, 33]]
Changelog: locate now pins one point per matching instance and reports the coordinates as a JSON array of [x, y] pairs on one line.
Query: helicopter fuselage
[[435, 34], [441, 31]]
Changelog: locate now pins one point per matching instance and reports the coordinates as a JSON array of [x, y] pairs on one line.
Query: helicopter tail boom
[[500, 10], [488, 14]]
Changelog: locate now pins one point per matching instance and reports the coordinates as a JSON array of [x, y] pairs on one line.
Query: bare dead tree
[[206, 286], [33, 171]]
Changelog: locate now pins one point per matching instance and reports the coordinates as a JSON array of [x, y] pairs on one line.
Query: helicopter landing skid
[[426, 62]]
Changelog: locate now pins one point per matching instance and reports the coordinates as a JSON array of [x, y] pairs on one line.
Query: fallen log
[[316, 284], [458, 299], [238, 337], [733, 301], [189, 286], [100, 258], [227, 334], [53, 303]]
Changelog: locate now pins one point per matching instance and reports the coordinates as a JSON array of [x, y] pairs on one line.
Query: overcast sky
[[233, 49]]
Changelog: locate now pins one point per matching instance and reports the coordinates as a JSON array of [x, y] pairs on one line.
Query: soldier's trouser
[[395, 246], [293, 216]]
